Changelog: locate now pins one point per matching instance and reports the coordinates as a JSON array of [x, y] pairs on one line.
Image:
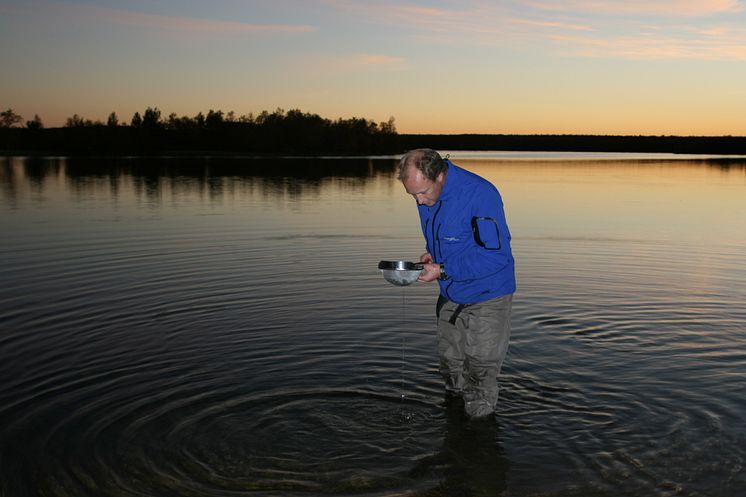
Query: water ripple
[[246, 344]]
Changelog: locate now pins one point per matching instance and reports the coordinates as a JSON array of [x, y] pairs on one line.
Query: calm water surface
[[218, 327]]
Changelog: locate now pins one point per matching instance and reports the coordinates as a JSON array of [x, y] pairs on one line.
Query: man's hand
[[431, 272], [426, 258]]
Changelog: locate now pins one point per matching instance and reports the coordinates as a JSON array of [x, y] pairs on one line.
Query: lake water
[[218, 327]]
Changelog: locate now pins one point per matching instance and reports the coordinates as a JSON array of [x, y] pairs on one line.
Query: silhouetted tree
[[172, 121], [214, 120], [175, 123], [8, 118], [136, 121], [388, 127], [35, 123], [112, 121], [267, 119], [199, 120], [247, 118], [75, 121], [151, 119]]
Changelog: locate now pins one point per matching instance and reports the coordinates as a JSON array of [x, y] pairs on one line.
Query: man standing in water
[[468, 252]]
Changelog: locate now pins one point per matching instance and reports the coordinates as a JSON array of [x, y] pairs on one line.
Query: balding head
[[423, 174], [427, 161]]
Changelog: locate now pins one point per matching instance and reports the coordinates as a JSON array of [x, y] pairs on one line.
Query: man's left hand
[[430, 272]]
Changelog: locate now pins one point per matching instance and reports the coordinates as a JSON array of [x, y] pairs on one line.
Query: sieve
[[400, 273]]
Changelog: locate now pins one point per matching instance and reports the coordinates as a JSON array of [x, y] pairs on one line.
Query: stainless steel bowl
[[400, 273]]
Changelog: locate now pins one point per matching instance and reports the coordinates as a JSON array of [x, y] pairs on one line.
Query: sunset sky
[[639, 67]]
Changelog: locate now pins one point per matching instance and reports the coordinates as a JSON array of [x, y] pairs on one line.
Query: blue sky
[[538, 66]]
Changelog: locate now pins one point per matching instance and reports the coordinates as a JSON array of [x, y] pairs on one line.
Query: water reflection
[[471, 460], [210, 176], [215, 327], [157, 179]]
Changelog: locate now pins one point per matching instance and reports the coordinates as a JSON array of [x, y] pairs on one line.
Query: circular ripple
[[321, 441]]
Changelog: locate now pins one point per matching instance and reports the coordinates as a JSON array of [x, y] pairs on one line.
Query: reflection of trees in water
[[211, 176], [33, 171], [216, 177], [8, 180]]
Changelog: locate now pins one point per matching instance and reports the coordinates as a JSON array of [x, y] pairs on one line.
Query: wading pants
[[472, 343]]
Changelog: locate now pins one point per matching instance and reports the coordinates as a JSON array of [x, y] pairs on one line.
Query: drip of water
[[403, 335], [406, 416]]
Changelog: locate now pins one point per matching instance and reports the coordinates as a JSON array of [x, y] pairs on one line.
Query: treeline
[[277, 132], [299, 133]]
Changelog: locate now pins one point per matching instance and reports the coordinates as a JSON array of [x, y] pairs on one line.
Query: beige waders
[[472, 344]]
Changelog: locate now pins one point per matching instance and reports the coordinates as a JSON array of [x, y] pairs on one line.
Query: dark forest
[[299, 133]]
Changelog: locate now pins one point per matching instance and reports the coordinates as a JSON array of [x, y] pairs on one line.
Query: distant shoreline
[[499, 155], [126, 141], [709, 145]]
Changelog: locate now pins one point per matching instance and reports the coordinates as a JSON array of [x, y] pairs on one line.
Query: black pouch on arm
[[486, 232]]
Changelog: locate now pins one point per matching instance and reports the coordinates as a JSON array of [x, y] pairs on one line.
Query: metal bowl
[[400, 273]]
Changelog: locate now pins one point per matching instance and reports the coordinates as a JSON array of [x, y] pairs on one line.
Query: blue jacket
[[466, 231]]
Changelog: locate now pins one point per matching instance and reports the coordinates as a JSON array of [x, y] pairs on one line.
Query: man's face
[[424, 191]]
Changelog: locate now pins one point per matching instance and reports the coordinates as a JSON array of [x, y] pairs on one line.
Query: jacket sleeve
[[488, 251]]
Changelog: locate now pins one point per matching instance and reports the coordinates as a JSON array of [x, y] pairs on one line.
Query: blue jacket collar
[[449, 186]]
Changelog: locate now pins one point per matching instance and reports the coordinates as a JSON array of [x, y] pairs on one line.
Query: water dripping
[[403, 336], [405, 415]]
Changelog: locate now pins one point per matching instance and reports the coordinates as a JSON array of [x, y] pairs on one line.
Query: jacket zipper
[[435, 234], [428, 245]]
